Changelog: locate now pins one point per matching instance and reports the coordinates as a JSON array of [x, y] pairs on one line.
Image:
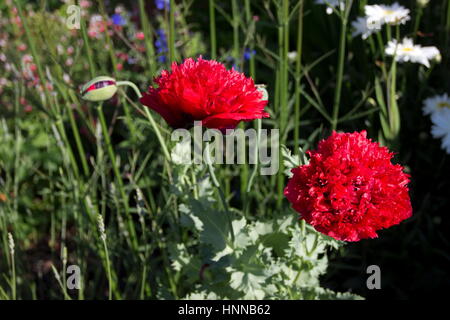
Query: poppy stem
[[130, 84], [219, 189], [149, 116], [256, 155]]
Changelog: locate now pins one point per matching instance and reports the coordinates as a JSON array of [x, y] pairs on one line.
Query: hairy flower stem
[[149, 116], [340, 65], [219, 189], [256, 155]]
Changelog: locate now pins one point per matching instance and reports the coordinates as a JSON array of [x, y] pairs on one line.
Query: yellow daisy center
[[407, 49], [444, 105]]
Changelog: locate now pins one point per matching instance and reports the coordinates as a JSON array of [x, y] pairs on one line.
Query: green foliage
[[170, 233], [278, 258]]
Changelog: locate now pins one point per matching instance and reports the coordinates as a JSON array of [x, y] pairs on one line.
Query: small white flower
[[441, 127], [436, 104], [362, 27], [380, 14], [331, 4], [407, 51]]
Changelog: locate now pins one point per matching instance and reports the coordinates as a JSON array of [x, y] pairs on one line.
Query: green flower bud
[[99, 89], [422, 3]]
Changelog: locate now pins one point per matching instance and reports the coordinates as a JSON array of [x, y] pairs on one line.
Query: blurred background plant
[[58, 170]]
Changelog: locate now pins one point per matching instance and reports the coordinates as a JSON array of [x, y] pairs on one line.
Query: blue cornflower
[[248, 54], [162, 4], [118, 20], [161, 45]]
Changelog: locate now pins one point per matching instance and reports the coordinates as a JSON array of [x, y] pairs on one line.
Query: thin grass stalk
[[258, 123], [102, 232], [248, 14], [76, 134], [172, 31], [109, 43], [340, 64], [92, 67], [117, 175], [34, 53], [447, 27], [237, 62], [148, 35], [235, 25], [108, 268], [67, 147], [212, 28], [298, 71], [13, 267], [111, 51], [283, 40], [95, 220], [393, 112], [417, 20]]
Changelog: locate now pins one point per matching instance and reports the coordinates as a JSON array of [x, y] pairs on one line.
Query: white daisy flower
[[436, 104], [362, 27], [380, 14], [432, 53], [407, 51], [441, 128], [331, 4]]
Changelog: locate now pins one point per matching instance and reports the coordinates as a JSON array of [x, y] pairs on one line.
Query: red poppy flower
[[350, 189], [206, 91]]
